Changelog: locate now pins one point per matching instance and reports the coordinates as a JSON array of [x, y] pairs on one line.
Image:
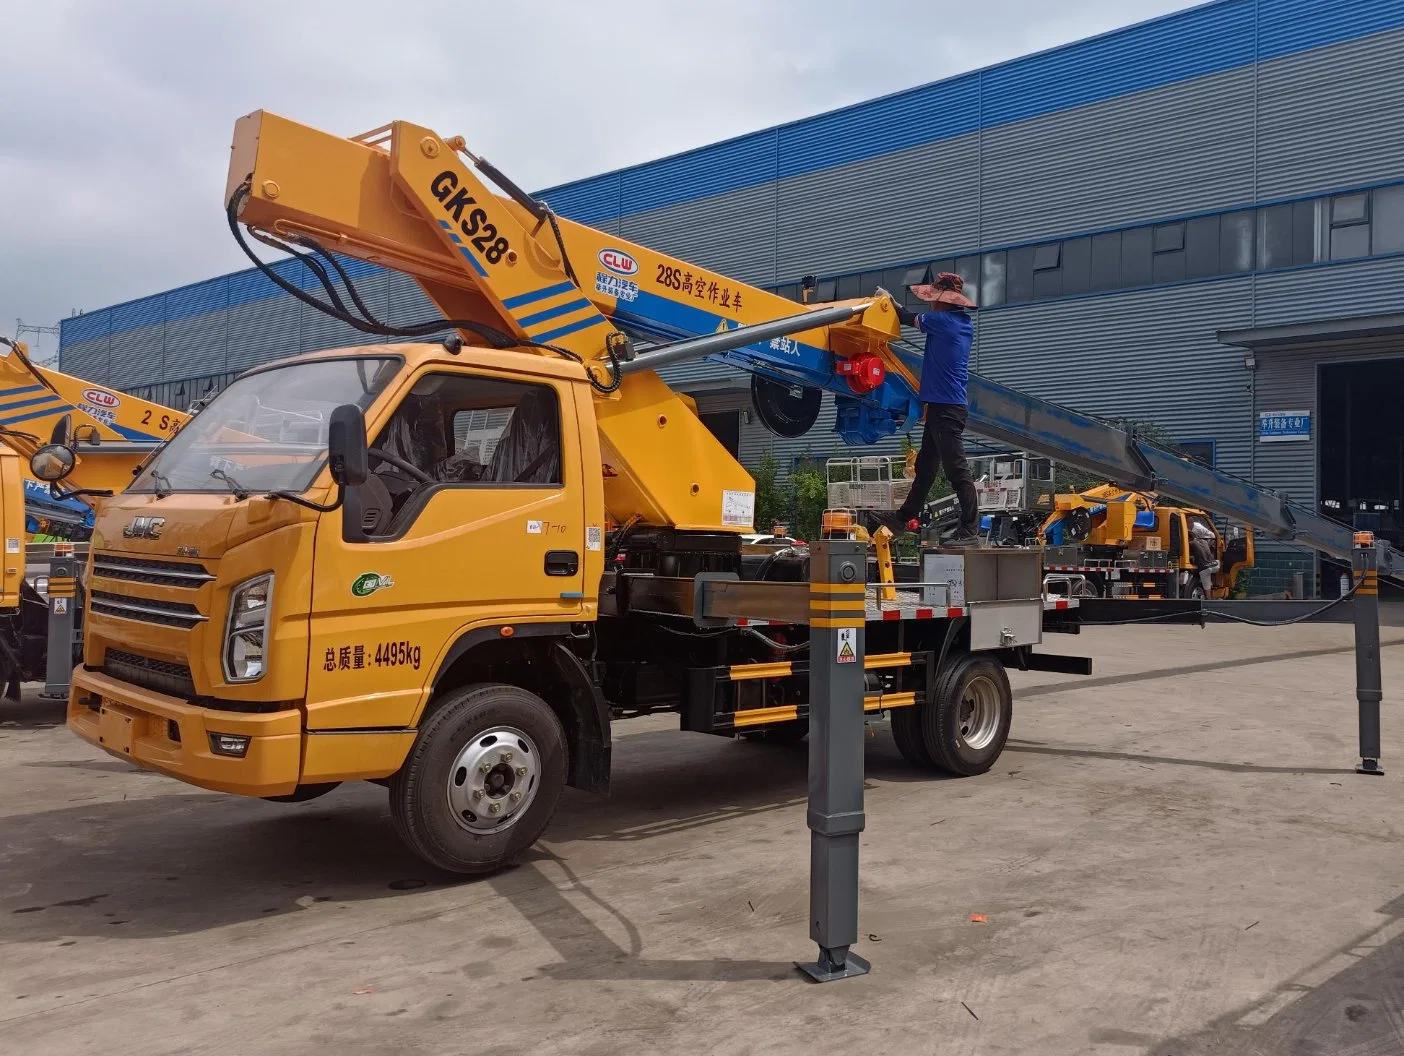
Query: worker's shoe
[[961, 537], [894, 522]]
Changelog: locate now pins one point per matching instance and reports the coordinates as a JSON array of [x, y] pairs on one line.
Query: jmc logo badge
[[144, 528], [619, 262]]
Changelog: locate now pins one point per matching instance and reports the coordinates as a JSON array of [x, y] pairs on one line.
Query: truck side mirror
[[62, 427], [52, 462], [346, 446]]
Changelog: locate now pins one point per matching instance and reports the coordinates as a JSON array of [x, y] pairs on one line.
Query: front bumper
[[158, 732]]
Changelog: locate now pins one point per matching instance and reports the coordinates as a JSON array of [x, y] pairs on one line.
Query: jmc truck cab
[[251, 633]]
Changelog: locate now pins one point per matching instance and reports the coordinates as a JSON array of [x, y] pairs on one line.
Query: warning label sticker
[[738, 508], [847, 651]]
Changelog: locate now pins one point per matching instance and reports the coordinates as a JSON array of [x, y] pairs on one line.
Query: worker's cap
[[946, 288]]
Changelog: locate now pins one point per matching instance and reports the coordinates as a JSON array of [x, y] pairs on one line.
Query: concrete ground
[[1173, 857]]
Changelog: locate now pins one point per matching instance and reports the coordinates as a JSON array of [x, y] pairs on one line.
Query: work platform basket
[[868, 482]]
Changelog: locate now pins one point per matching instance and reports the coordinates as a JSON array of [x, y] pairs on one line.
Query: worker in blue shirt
[[945, 369]]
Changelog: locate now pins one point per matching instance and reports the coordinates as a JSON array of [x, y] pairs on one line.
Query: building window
[[1077, 265], [1046, 257], [1350, 226], [992, 280], [1168, 260], [1202, 247], [1048, 271], [1018, 275], [968, 268], [1387, 220], [1106, 261], [1275, 236], [1136, 257], [1169, 238], [1236, 238]]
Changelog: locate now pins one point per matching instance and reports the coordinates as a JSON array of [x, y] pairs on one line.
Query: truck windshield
[[267, 431]]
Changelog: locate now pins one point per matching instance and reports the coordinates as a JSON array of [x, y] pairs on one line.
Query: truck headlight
[[245, 638]]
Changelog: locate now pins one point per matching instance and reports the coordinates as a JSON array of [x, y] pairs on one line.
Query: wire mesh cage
[[868, 482]]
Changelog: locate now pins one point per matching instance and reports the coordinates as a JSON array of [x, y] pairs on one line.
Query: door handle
[[562, 562]]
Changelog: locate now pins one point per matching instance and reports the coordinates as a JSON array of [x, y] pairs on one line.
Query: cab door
[[475, 518]]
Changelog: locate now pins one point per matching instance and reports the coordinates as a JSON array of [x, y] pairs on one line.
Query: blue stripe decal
[[569, 328], [528, 321], [537, 295], [45, 413], [50, 398], [25, 389], [472, 260]]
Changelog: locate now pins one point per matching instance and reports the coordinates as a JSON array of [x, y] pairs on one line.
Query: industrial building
[[1197, 221]]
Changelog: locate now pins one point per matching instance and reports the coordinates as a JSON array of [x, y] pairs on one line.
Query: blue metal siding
[[1286, 27], [928, 114], [715, 169]]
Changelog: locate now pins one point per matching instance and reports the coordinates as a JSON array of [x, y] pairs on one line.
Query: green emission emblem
[[367, 583]]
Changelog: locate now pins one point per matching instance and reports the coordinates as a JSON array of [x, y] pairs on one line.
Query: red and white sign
[[101, 398], [619, 262]]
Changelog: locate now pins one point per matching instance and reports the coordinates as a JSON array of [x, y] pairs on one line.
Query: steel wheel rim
[[977, 720], [493, 780]]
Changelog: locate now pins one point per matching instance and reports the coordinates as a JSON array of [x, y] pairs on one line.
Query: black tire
[[419, 801], [906, 731], [303, 793], [933, 735], [782, 733]]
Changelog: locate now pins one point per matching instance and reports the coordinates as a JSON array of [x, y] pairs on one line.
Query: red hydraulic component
[[864, 372]]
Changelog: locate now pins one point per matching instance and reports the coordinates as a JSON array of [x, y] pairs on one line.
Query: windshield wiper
[[240, 492], [162, 484]]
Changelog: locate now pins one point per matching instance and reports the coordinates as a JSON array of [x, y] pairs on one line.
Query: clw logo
[[619, 262]]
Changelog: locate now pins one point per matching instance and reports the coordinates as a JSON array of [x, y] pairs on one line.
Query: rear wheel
[[482, 780], [963, 730]]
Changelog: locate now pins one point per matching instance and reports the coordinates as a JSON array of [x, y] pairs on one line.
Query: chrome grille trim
[[144, 570], [145, 610]]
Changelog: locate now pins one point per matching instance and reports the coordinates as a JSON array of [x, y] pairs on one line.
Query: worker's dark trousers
[[942, 445]]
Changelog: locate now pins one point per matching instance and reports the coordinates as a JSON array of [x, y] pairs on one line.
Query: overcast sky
[[115, 117]]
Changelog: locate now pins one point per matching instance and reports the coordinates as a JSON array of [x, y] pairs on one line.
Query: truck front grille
[[147, 570], [145, 610], [159, 676]]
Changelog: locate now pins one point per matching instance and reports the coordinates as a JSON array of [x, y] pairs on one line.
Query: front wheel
[[963, 729], [482, 780]]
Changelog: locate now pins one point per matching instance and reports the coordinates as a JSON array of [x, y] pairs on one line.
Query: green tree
[[772, 501], [811, 497]]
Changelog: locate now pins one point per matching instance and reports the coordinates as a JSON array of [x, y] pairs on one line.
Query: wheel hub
[[493, 780], [978, 719]]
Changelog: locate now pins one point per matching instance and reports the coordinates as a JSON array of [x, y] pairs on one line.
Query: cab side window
[[465, 430]]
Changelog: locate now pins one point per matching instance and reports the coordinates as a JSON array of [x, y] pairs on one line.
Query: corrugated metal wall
[[1166, 152], [1331, 118]]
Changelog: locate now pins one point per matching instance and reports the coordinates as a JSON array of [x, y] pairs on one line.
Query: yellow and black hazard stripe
[[748, 717], [1369, 582], [63, 586], [837, 605]]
